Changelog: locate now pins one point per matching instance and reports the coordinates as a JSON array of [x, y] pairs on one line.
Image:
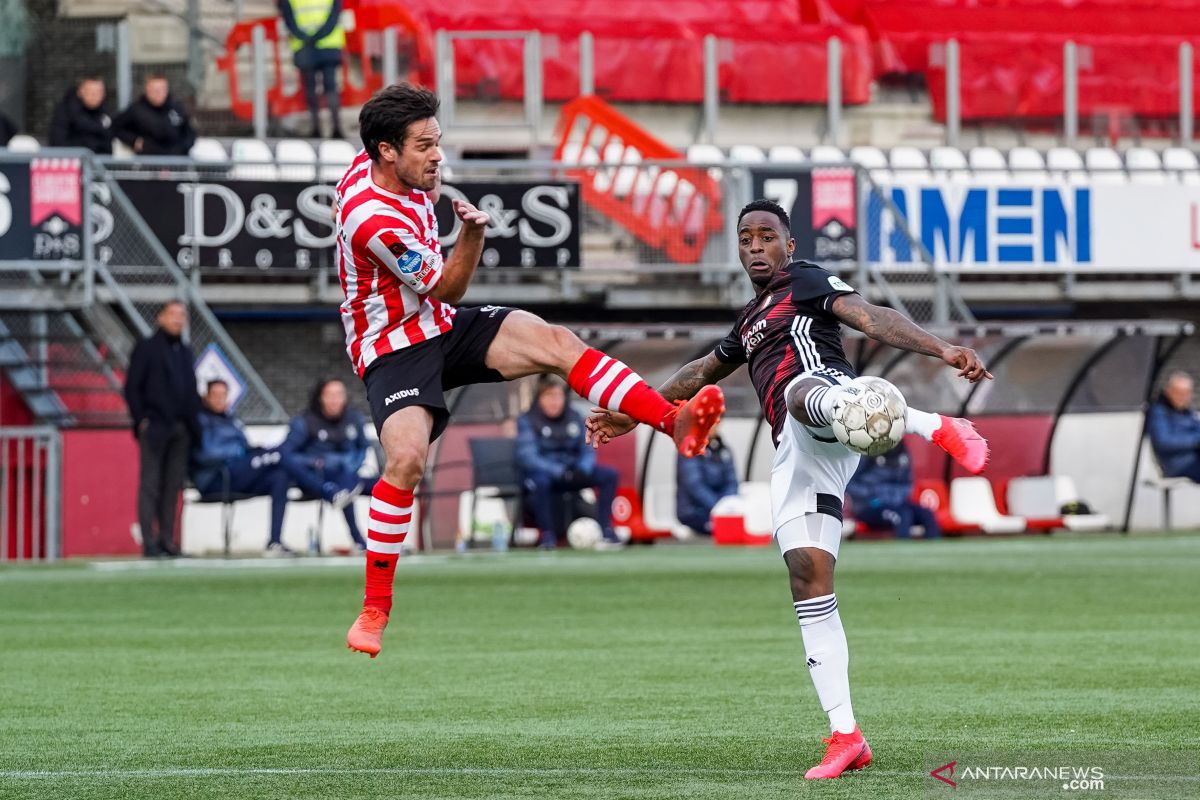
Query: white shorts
[[809, 478]]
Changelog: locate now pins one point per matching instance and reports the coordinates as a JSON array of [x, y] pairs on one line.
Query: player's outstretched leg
[[826, 655], [527, 345], [811, 402]]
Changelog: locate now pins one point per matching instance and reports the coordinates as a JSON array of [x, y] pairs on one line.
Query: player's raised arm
[[460, 266], [891, 327]]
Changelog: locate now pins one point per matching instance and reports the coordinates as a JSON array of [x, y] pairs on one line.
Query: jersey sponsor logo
[[409, 263], [839, 284], [753, 337], [400, 395]]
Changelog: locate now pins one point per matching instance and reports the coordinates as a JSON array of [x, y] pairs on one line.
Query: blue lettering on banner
[[982, 225]]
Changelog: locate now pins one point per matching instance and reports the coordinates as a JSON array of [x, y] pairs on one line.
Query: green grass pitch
[[662, 672]]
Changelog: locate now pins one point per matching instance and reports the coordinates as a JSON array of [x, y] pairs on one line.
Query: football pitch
[[656, 672]]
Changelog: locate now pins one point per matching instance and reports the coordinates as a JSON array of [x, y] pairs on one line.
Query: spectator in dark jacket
[[1174, 428], [223, 462], [330, 440], [155, 124], [80, 119], [881, 494], [554, 459], [701, 482], [160, 389], [7, 130]]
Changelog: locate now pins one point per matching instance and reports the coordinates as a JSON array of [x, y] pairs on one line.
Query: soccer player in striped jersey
[[790, 337], [410, 343]]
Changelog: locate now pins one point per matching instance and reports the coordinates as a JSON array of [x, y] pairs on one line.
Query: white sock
[[922, 423], [828, 658]]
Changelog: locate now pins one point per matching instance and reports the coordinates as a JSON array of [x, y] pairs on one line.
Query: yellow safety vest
[[310, 16]]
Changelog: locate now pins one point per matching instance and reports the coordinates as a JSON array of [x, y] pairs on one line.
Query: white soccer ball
[[868, 416], [584, 533]]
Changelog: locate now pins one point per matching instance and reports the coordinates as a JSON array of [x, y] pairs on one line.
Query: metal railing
[[30, 493]]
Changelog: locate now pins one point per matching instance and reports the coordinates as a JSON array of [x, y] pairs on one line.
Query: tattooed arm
[[603, 426], [891, 327]]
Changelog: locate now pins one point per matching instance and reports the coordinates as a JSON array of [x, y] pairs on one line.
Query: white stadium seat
[[1028, 167], [21, 143], [786, 154], [1065, 492], [987, 165], [747, 154], [874, 161], [705, 154], [1182, 162], [909, 163], [1105, 166], [253, 160], [297, 160], [208, 151], [1066, 164], [973, 503], [827, 154], [951, 162], [335, 156], [1145, 166]]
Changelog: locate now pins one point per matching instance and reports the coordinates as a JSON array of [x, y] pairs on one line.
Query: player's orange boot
[[366, 634], [846, 752], [696, 418], [959, 438]]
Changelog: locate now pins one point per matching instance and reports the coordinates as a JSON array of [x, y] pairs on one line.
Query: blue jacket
[[340, 444], [885, 481], [552, 446], [701, 481], [1174, 435], [222, 439]]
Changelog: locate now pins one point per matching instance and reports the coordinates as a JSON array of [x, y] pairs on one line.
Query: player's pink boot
[[366, 634], [696, 418], [846, 752], [959, 438]]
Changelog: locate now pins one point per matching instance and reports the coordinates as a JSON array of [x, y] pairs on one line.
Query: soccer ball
[[868, 416], [584, 533]]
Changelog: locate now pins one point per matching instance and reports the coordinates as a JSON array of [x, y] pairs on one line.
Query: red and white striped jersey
[[389, 260]]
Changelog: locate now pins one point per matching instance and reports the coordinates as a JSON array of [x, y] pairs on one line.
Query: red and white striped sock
[[391, 513], [610, 384]]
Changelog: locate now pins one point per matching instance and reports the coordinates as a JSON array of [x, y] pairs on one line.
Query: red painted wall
[[100, 474]]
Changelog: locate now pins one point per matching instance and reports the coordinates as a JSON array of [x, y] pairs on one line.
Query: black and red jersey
[[788, 330]]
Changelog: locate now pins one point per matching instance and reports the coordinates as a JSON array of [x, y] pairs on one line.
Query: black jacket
[[164, 130], [76, 125], [161, 385]]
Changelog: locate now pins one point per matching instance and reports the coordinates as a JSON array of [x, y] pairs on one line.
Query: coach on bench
[[554, 459]]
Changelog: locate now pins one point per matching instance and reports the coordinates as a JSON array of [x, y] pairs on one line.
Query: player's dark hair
[[215, 382], [389, 112], [762, 204]]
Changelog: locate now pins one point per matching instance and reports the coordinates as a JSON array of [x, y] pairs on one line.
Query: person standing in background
[[317, 41], [160, 389], [80, 119], [155, 124]]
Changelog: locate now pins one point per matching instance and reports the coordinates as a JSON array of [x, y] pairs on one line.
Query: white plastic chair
[[208, 151], [1145, 166], [23, 143], [757, 499], [951, 162], [658, 510], [1105, 166], [1066, 164], [747, 154], [705, 154], [826, 154], [988, 165], [335, 157], [1065, 492], [973, 503], [1033, 497], [868, 157], [296, 159], [909, 163], [253, 160], [786, 154], [1182, 163]]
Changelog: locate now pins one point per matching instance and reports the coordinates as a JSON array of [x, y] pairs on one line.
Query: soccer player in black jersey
[[790, 337]]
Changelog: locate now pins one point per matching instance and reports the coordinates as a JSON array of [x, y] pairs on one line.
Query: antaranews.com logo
[[1036, 775]]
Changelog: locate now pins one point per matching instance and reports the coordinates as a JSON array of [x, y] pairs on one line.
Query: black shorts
[[419, 375]]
